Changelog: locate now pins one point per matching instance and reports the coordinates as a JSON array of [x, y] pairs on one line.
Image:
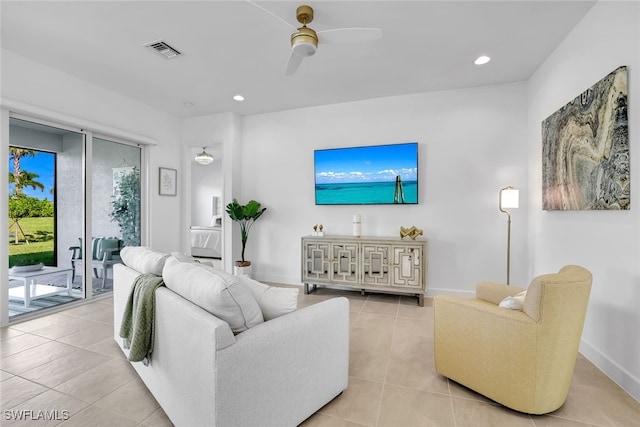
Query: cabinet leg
[[362, 292], [421, 300], [306, 289]]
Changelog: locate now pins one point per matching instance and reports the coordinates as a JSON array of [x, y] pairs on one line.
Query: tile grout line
[[386, 370]]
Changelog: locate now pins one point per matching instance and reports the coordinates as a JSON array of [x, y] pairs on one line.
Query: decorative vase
[[357, 225]]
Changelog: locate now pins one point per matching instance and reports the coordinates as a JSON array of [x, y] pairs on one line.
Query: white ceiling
[[234, 47]]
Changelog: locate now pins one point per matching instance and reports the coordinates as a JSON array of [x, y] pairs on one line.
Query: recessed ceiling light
[[482, 60], [238, 98]]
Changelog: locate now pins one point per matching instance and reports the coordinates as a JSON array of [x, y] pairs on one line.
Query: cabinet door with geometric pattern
[[316, 261], [407, 266], [345, 262], [375, 263]]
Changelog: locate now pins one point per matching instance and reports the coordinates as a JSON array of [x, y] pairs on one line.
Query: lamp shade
[[509, 198], [204, 158]]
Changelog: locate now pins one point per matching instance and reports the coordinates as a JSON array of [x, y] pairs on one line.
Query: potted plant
[[246, 215], [126, 207]]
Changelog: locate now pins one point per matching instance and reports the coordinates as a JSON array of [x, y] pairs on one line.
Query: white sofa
[[277, 373]]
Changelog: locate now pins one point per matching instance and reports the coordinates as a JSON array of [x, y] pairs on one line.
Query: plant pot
[[242, 268]]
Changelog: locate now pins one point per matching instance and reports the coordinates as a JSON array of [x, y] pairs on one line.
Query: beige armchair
[[521, 359]]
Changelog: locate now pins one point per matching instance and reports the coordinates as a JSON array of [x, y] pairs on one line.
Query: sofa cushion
[[188, 258], [273, 301], [216, 291], [143, 259], [183, 257]]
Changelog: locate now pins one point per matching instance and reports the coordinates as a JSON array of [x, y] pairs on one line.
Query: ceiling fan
[[304, 41]]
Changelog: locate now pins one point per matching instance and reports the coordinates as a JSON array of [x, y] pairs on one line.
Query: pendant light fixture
[[204, 158]]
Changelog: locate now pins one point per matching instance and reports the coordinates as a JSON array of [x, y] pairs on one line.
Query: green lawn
[[39, 232]]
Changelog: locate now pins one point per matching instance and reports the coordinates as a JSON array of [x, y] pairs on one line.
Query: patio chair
[[105, 252]]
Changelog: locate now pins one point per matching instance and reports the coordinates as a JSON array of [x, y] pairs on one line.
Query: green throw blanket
[[138, 319]]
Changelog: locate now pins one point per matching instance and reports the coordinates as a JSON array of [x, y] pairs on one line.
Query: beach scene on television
[[378, 174]]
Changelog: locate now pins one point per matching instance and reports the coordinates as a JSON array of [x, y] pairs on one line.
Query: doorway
[[207, 205]]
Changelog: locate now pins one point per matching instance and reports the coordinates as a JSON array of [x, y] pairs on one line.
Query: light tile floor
[[68, 365]]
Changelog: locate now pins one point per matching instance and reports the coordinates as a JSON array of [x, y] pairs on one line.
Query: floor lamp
[[509, 198]]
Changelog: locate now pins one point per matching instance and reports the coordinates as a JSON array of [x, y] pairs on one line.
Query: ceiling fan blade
[[273, 14], [293, 64], [349, 35]]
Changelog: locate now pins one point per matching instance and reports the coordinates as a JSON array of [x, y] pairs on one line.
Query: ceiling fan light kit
[[304, 43]]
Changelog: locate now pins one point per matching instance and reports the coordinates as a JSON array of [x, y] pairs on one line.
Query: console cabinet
[[384, 264]]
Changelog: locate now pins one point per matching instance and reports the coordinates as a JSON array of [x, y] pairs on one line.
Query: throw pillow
[[273, 301], [515, 302], [216, 291], [144, 260]]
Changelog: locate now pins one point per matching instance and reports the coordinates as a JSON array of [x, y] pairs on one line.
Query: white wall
[[605, 242], [50, 94], [471, 144]]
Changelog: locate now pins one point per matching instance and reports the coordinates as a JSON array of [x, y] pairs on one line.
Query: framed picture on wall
[[585, 149], [168, 182]]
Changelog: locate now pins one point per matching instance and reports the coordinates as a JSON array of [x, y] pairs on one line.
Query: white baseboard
[[432, 292], [276, 278], [617, 373], [289, 280]]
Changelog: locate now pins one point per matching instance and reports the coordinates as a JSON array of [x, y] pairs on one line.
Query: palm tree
[[21, 179], [16, 154], [25, 179]]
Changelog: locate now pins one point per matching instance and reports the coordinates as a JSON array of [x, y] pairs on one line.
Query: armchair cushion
[[99, 245], [94, 246], [107, 246]]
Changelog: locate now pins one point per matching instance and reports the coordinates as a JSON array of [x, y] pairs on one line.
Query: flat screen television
[[371, 175]]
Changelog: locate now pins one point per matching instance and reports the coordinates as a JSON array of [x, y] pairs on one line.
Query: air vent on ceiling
[[162, 48]]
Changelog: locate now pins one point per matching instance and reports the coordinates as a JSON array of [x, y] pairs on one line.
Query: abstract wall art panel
[[585, 150]]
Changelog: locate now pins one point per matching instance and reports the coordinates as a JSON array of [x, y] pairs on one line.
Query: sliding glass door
[[115, 206], [46, 215], [52, 201]]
